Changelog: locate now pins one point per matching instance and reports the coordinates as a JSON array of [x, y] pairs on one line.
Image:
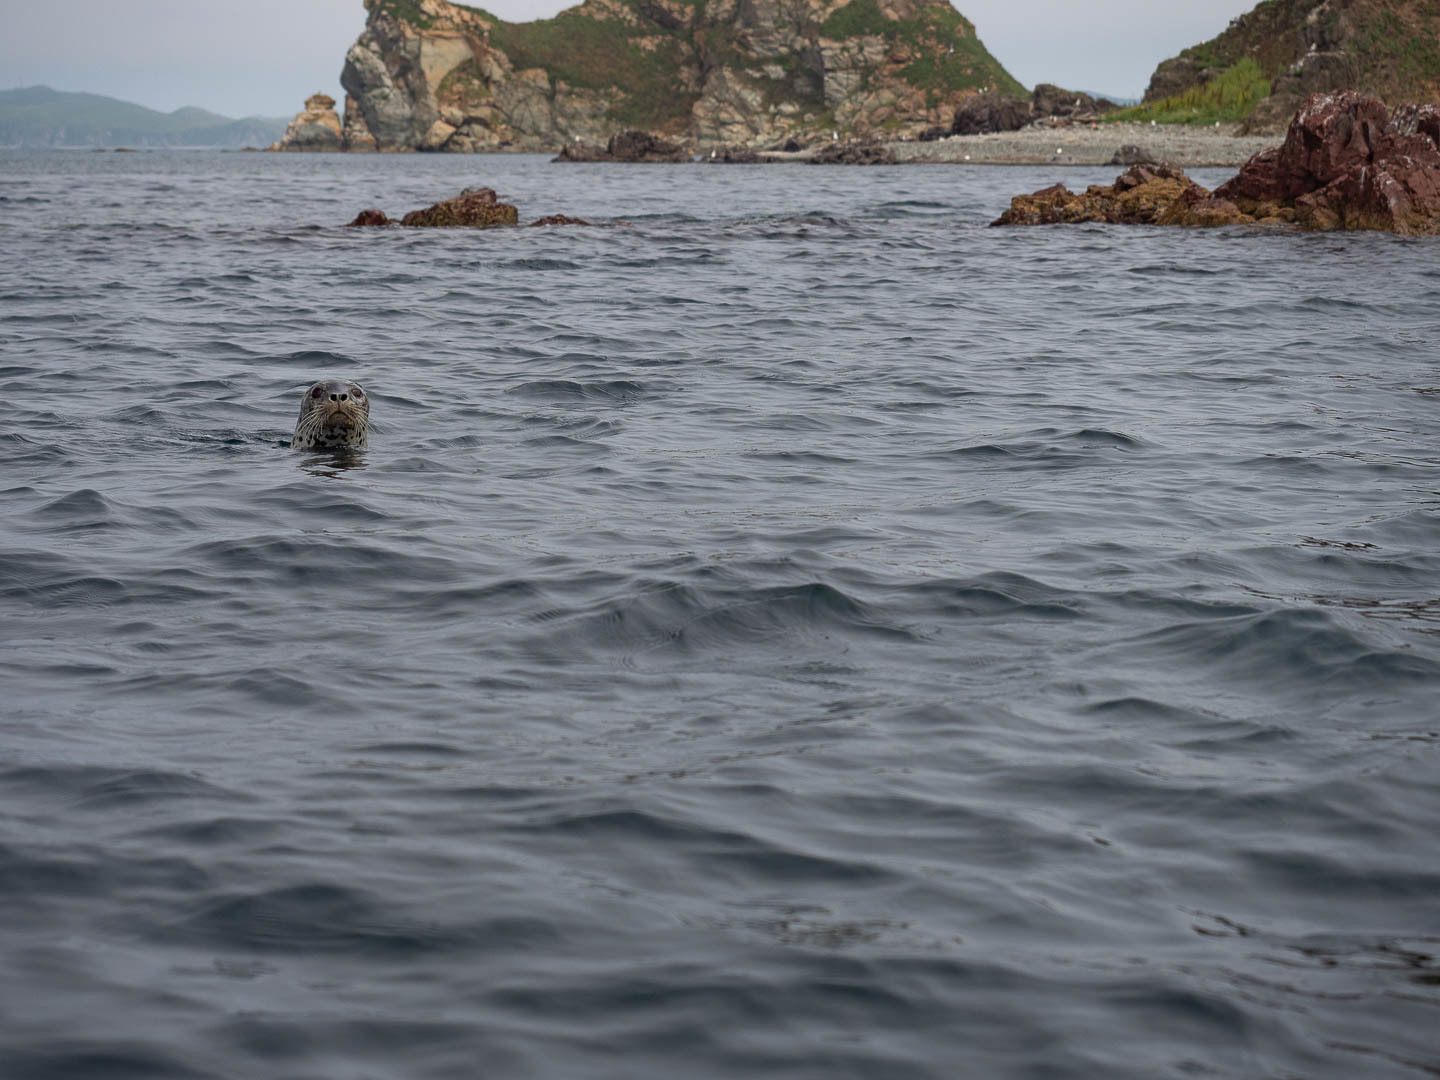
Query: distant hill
[[1261, 66], [38, 116]]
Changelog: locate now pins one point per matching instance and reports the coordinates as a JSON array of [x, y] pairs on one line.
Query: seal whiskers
[[333, 415]]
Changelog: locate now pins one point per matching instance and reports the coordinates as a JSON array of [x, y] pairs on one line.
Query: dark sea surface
[[801, 633]]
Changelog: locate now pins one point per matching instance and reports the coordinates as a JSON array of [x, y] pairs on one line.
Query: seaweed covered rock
[[476, 208], [558, 219], [1348, 163], [371, 217], [1143, 195]]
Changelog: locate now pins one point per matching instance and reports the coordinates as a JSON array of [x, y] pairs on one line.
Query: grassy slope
[[1229, 97], [1395, 49], [587, 52]]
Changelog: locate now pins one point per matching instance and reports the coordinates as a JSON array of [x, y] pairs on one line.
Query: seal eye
[[357, 392], [317, 392]]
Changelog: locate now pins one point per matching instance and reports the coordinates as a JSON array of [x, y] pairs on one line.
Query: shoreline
[[1187, 147]]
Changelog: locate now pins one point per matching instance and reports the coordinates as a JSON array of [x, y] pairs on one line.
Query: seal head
[[333, 416]]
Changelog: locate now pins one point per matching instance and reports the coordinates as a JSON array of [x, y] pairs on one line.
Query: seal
[[333, 416]]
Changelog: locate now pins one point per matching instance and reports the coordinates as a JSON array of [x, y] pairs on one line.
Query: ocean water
[[791, 630]]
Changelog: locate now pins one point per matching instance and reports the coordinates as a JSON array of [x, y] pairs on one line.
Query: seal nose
[[342, 396]]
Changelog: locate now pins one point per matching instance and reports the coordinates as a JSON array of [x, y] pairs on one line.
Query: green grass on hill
[[1229, 97], [947, 54]]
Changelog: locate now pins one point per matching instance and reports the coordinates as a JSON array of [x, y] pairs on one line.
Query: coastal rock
[[477, 208], [641, 147], [582, 153], [434, 75], [1130, 154], [1061, 104], [558, 219], [370, 217], [356, 136], [854, 153], [315, 129], [984, 114], [1144, 195], [737, 155], [1348, 163], [627, 147]]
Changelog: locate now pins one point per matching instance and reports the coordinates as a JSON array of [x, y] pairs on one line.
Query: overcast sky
[[264, 57]]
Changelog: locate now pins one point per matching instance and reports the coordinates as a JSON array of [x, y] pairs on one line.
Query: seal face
[[333, 415]]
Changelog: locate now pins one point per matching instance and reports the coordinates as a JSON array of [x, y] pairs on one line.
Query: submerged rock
[[370, 217], [558, 219], [1347, 163], [316, 128], [476, 208]]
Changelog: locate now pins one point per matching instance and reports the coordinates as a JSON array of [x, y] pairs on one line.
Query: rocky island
[[433, 75]]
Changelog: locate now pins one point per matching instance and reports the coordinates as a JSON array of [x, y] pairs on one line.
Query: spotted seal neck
[[333, 416]]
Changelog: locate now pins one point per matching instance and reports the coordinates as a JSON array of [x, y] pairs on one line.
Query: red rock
[[1347, 163]]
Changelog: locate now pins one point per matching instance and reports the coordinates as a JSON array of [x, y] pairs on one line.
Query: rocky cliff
[[1386, 48], [432, 75]]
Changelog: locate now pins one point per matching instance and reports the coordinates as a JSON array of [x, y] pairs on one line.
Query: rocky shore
[[1347, 163], [1098, 144]]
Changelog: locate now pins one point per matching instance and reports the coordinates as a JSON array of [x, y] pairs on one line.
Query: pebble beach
[[1188, 147]]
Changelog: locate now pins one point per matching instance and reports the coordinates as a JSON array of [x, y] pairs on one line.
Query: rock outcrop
[[628, 147], [982, 114], [1131, 154], [1144, 195], [1346, 163], [316, 128], [1384, 48], [475, 208], [433, 75], [860, 152], [1058, 103]]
